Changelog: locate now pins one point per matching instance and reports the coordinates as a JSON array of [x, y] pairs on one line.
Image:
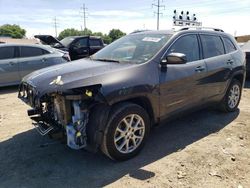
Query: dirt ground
[[203, 149]]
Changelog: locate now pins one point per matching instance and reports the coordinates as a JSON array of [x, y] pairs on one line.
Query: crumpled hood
[[80, 73]]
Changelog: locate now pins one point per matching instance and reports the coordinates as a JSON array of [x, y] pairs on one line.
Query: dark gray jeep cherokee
[[111, 100]]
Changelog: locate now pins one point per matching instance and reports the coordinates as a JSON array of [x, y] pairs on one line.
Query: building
[[243, 39], [8, 40]]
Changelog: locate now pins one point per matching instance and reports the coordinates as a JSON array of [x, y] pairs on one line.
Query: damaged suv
[[111, 101]]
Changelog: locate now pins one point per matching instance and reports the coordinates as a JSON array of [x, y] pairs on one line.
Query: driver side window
[[187, 45]]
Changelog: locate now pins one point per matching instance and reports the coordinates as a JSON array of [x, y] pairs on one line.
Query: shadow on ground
[[25, 163], [247, 83], [8, 90]]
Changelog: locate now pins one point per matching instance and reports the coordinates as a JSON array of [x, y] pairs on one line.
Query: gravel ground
[[203, 149]]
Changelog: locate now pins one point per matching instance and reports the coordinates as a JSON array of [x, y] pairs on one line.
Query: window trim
[[208, 34], [179, 37]]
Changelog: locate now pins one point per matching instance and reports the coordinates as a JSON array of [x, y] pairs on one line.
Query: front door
[[182, 85]]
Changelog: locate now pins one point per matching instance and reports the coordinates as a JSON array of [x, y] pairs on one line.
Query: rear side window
[[212, 46], [229, 46], [187, 45], [30, 51], [7, 52], [94, 42]]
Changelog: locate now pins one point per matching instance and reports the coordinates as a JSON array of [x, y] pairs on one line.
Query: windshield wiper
[[106, 60]]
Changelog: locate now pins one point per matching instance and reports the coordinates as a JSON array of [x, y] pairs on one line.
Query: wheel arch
[[143, 102]]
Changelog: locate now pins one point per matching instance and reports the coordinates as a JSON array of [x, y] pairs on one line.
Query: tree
[[68, 32], [73, 32], [115, 34], [86, 32], [106, 39], [14, 31]]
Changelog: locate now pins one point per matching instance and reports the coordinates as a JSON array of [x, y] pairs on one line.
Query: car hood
[[80, 73], [49, 40]]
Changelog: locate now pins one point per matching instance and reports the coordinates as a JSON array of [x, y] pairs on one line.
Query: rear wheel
[[126, 131], [232, 98]]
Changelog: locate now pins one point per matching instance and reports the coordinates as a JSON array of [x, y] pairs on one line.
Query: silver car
[[17, 60]]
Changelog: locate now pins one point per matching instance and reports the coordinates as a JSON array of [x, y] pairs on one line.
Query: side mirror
[[174, 58]]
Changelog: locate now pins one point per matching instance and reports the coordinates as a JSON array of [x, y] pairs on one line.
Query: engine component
[[76, 131]]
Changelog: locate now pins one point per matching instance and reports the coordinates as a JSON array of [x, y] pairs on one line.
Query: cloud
[[117, 13]]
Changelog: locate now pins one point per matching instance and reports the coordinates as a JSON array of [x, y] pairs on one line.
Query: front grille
[[27, 93]]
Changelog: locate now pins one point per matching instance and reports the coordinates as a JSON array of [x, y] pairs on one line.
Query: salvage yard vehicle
[[246, 48], [18, 60], [77, 46], [112, 100]]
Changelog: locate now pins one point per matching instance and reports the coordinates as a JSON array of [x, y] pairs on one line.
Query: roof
[[46, 47], [183, 30], [76, 37]]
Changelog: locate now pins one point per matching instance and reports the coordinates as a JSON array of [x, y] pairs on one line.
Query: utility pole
[[158, 13], [84, 14], [55, 25]]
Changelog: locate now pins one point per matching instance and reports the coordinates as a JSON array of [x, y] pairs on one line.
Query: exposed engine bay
[[67, 114]]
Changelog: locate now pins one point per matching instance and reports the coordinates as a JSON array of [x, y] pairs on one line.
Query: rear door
[[219, 65], [79, 48], [9, 68], [94, 45], [182, 85], [31, 59]]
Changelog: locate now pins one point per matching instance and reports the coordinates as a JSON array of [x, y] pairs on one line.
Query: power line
[[55, 25], [84, 15], [158, 13]]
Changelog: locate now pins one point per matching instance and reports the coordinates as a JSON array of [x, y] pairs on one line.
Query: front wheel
[[126, 131], [232, 98]]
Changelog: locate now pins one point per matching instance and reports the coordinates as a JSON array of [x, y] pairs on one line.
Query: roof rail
[[140, 31], [201, 28]]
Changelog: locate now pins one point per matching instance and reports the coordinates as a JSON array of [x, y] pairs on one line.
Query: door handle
[[11, 63], [230, 62], [44, 59], [200, 69]]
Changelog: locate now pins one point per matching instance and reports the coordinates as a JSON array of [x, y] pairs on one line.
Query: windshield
[[66, 41], [137, 48]]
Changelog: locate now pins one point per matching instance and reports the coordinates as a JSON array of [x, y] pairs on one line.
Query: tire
[[122, 140], [232, 98]]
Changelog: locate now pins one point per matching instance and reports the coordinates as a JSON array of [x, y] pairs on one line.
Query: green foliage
[[106, 39], [68, 32], [113, 35], [14, 31], [73, 32]]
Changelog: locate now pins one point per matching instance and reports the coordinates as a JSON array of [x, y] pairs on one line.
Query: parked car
[[16, 61], [246, 48], [77, 46], [112, 100]]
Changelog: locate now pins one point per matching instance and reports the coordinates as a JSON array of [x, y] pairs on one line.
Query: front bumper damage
[[57, 112]]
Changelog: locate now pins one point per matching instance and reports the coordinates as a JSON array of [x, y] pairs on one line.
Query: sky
[[36, 16]]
